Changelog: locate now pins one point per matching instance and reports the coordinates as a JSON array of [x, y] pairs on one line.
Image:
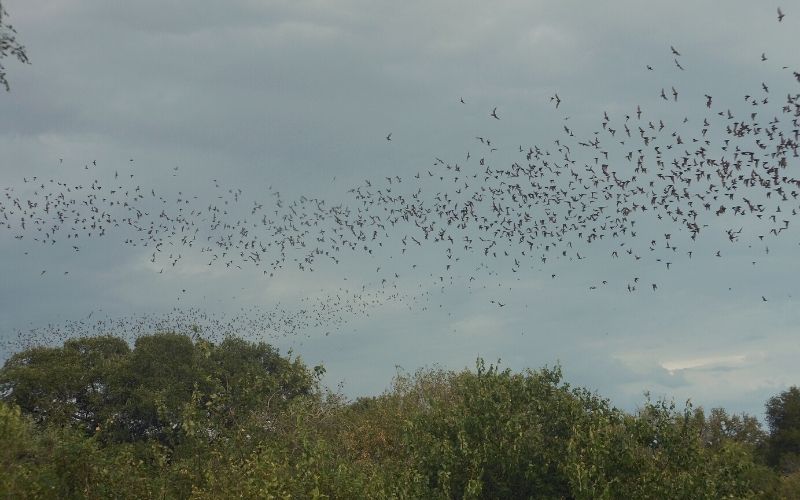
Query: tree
[[101, 386], [783, 418], [9, 46], [68, 385], [496, 434], [719, 427], [235, 419]]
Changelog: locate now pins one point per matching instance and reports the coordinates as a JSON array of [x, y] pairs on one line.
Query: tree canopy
[[176, 418], [102, 386], [783, 418]]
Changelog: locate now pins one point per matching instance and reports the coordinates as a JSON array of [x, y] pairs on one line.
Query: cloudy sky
[[298, 97]]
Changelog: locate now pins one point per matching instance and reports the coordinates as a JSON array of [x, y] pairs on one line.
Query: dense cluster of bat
[[327, 312], [646, 187]]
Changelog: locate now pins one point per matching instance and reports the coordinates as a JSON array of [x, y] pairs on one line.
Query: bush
[[172, 418]]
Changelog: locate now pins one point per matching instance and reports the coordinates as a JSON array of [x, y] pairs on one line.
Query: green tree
[[496, 434], [242, 376], [9, 46], [67, 385], [719, 427], [783, 418], [154, 390], [173, 418], [660, 453]]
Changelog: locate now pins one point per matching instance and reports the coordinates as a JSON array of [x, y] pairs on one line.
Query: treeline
[[176, 418]]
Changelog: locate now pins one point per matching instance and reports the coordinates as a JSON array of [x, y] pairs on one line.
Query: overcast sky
[[300, 96]]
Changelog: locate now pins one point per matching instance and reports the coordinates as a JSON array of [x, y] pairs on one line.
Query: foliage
[[719, 428], [783, 418], [103, 387], [496, 434], [172, 418]]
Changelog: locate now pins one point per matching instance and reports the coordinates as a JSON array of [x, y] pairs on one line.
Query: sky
[[290, 99]]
